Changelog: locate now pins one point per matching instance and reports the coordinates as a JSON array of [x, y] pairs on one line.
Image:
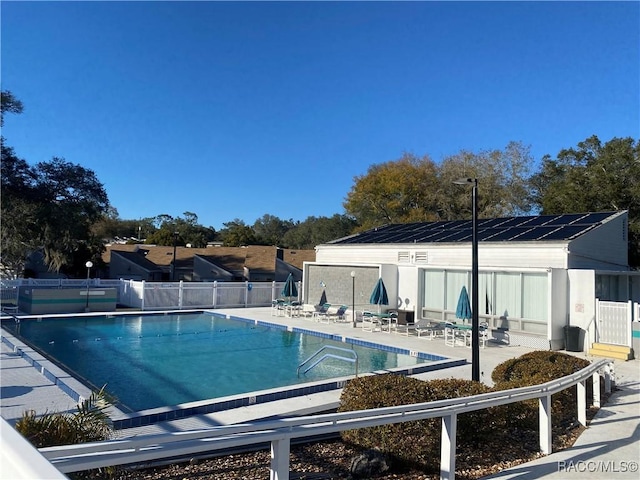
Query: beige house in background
[[254, 263]]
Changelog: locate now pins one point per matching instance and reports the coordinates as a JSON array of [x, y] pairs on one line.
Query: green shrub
[[534, 368], [415, 442]]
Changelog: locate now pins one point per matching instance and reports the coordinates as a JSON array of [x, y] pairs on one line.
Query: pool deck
[[25, 388]]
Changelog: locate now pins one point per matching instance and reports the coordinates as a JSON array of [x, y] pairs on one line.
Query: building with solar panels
[[537, 274]]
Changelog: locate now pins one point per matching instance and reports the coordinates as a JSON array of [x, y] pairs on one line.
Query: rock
[[368, 464]]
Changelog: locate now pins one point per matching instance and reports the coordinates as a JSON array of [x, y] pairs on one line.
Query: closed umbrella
[[379, 295], [463, 310], [289, 290]]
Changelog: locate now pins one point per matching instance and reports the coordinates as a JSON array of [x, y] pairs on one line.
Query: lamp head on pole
[[466, 181], [89, 264], [353, 274]]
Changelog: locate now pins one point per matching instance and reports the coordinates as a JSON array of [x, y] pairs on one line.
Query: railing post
[[215, 293], [180, 294], [596, 389], [246, 294], [143, 294], [630, 325], [280, 450], [448, 447], [582, 402], [608, 378], [545, 424]]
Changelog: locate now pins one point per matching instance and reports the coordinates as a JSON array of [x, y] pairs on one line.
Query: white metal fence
[[141, 449]]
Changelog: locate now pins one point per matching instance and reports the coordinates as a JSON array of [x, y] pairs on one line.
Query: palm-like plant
[[89, 424]]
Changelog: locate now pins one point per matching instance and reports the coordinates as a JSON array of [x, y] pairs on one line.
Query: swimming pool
[[150, 361]]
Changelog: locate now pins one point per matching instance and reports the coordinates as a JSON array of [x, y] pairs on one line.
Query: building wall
[[120, 267], [490, 255], [605, 247], [559, 295], [582, 302]]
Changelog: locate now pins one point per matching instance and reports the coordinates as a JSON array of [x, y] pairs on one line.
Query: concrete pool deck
[[613, 436]]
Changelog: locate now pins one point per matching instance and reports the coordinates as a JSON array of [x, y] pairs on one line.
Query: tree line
[[63, 210]]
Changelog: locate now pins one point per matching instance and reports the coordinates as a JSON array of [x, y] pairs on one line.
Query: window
[[433, 289]]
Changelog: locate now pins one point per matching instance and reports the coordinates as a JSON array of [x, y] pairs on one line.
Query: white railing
[[20, 459], [142, 449]]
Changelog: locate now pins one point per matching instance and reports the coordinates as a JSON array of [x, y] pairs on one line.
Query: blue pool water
[[156, 360]]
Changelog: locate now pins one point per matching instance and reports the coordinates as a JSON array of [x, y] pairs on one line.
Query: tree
[[188, 229], [237, 234], [317, 230], [414, 189], [503, 183], [270, 230], [9, 103], [400, 191], [594, 177]]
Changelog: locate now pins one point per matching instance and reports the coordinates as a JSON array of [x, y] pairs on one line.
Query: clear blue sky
[[238, 109]]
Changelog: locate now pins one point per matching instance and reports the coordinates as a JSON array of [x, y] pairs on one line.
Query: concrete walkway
[[607, 449]]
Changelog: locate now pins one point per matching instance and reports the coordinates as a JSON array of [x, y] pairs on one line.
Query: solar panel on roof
[[499, 234], [596, 217], [566, 232], [535, 233], [566, 219], [530, 228]]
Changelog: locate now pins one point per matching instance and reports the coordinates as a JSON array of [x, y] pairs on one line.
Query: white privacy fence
[[613, 322], [181, 295], [164, 295], [280, 432]]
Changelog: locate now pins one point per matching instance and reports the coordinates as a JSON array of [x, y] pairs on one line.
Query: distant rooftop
[[509, 229]]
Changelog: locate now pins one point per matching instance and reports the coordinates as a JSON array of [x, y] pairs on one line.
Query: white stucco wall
[[582, 302]]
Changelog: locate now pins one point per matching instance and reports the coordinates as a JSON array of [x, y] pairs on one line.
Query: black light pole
[[353, 297], [475, 322], [173, 261], [89, 264]]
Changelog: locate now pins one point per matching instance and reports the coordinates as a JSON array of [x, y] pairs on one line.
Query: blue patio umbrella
[[379, 294], [289, 290], [463, 310]]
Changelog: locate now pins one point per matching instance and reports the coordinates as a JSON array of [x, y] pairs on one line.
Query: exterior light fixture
[[89, 264], [353, 297]]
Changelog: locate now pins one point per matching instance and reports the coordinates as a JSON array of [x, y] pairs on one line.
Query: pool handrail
[[354, 358]]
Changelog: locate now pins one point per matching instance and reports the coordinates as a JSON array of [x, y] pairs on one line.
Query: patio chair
[[454, 336], [483, 335], [370, 323], [390, 323], [277, 307]]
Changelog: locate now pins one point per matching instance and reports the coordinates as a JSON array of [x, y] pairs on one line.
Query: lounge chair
[[307, 310], [339, 314], [402, 326], [430, 330], [321, 312]]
